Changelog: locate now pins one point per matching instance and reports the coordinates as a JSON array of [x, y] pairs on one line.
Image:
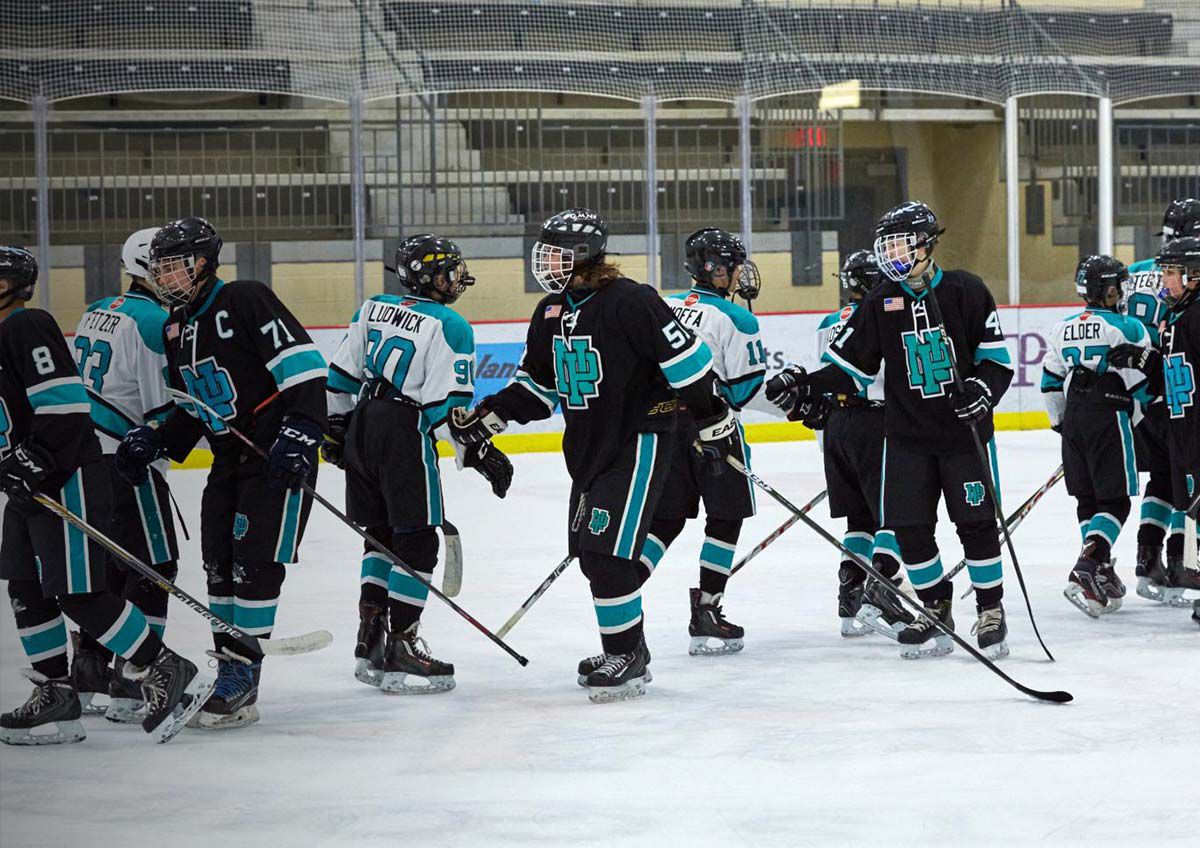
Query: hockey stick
[[184, 397], [1013, 521], [1057, 697], [1189, 533], [532, 599], [981, 453], [283, 646], [452, 567], [783, 528]]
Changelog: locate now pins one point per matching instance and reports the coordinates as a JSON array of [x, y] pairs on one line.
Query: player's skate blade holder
[[397, 683], [712, 646], [942, 645], [364, 673], [626, 691], [198, 691]]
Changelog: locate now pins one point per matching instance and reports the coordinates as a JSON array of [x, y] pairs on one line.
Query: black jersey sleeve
[[533, 394], [856, 351], [991, 360], [653, 330], [285, 348]]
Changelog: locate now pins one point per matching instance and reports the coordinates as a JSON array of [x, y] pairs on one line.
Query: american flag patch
[[172, 332], [553, 311], [893, 304]]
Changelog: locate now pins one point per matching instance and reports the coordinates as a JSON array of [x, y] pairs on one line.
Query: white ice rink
[[805, 738]]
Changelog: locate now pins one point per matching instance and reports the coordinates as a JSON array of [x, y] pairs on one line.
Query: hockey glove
[[973, 402], [333, 448], [1144, 359], [491, 462], [813, 413], [469, 426], [22, 472], [718, 439], [294, 453], [140, 447], [787, 388]]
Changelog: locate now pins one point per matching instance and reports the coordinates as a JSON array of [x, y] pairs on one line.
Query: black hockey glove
[[813, 413], [1144, 359], [491, 462], [718, 439], [787, 388], [973, 402], [469, 426], [22, 472], [294, 453], [333, 448], [140, 447]]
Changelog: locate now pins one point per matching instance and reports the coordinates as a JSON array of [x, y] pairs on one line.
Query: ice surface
[[805, 738]]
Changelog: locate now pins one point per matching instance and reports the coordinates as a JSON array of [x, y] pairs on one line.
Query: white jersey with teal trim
[[731, 333], [424, 349], [1084, 340], [1140, 297], [122, 360], [828, 330]]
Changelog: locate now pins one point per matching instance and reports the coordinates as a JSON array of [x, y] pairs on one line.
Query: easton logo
[[974, 492], [241, 526], [599, 521]]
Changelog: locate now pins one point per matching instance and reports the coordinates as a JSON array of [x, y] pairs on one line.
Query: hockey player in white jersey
[[405, 362], [1095, 407], [119, 348], [717, 262]]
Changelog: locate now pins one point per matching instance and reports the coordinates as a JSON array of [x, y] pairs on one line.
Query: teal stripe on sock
[[619, 615], [652, 552], [1157, 513], [52, 640], [254, 618], [885, 543], [376, 567], [858, 544], [985, 574], [223, 609], [131, 633], [927, 575], [716, 556], [1103, 525], [399, 583]]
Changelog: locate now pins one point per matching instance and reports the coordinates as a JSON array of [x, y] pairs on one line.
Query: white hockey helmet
[[135, 255]]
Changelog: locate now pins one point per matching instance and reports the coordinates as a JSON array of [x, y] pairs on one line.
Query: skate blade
[[996, 652], [1114, 604], [872, 618], [64, 733], [363, 673], [582, 679], [700, 646], [195, 696], [1079, 599], [87, 701], [125, 710], [220, 721], [627, 691], [942, 645], [852, 628], [396, 683]]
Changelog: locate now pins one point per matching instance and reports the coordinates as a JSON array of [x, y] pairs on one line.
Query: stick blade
[[1057, 697], [288, 646], [452, 569]]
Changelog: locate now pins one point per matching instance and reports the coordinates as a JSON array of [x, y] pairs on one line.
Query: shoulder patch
[[1083, 316], [846, 312], [691, 299]]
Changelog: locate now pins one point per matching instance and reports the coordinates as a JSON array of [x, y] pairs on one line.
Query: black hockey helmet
[[1182, 254], [174, 252], [900, 233], [1182, 218], [859, 274], [569, 242], [1095, 275], [421, 259], [18, 266], [711, 248]]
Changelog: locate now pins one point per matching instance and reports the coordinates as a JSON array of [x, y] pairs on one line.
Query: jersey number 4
[[930, 368], [1181, 384], [577, 370]]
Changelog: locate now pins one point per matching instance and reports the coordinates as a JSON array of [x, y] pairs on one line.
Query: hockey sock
[[149, 598], [255, 600], [716, 556], [220, 600], [40, 626], [1085, 508], [662, 533], [886, 553], [923, 563], [617, 596], [373, 585], [418, 549], [859, 539], [1105, 525], [1155, 511], [981, 549], [117, 624]]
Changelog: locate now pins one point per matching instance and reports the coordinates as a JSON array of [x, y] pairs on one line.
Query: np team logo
[[578, 370], [927, 357], [599, 521], [974, 492], [1180, 384], [241, 526], [211, 384]]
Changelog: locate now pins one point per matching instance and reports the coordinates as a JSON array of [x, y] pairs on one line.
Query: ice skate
[[1083, 588], [371, 645], [915, 638], [234, 701], [1110, 582], [991, 631], [1180, 579], [709, 623], [621, 677], [174, 691], [53, 707], [881, 611], [125, 703], [90, 675], [407, 662], [850, 600], [1152, 582], [587, 666]]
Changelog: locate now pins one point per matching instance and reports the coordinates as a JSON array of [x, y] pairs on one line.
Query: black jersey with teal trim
[[612, 360], [1181, 370], [42, 399], [895, 327], [238, 349]]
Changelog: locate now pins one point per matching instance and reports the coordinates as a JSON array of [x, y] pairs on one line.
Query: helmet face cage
[[570, 241], [896, 254], [710, 249], [1179, 263], [174, 279], [747, 280], [422, 259], [552, 266]]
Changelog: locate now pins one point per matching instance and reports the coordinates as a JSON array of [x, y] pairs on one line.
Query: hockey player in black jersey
[[928, 445], [614, 357], [47, 446], [1173, 372], [236, 349]]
